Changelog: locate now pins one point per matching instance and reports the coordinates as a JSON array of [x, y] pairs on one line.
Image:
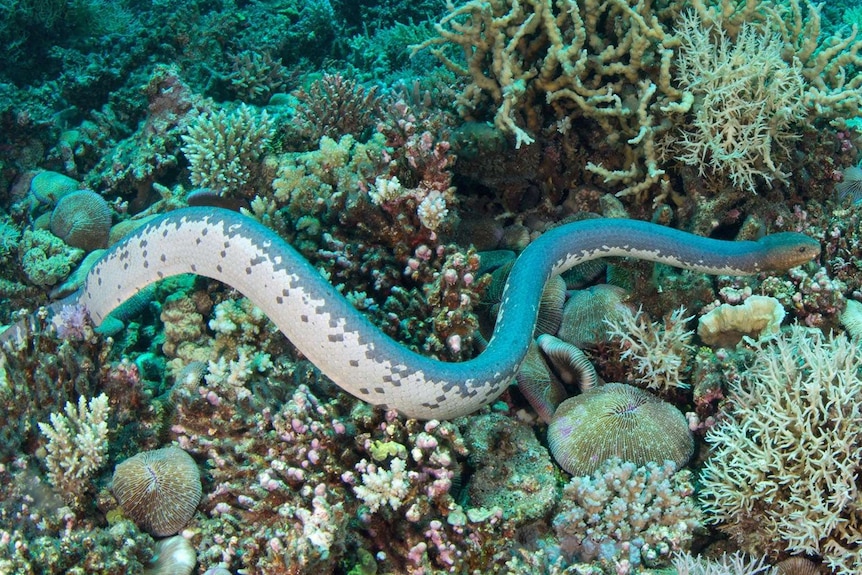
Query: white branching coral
[[783, 473], [385, 190], [223, 148], [382, 486], [77, 445], [432, 210], [659, 352]]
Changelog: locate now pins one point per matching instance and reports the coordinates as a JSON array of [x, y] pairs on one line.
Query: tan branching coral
[[748, 101], [633, 67], [783, 473], [606, 61]]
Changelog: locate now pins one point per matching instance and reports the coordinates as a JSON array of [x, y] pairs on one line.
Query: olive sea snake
[[357, 356]]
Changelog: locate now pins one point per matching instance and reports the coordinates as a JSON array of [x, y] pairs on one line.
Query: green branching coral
[[783, 474], [223, 149]]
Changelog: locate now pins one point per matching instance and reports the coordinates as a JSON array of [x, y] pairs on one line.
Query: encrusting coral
[[784, 467]]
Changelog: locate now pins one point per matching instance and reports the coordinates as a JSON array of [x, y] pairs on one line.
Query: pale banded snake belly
[[345, 346]]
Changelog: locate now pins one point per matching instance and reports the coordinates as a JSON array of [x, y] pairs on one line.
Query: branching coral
[[605, 61], [334, 106], [223, 148], [77, 445], [628, 516], [748, 99], [631, 68], [658, 352], [784, 467]]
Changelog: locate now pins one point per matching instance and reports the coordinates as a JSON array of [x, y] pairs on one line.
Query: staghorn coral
[[627, 516], [158, 490], [256, 76], [617, 420], [77, 446], [223, 148], [334, 106], [538, 67], [785, 461]]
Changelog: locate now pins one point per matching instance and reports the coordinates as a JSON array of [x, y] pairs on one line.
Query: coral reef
[[389, 172]]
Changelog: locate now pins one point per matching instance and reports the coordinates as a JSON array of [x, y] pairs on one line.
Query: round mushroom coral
[[158, 490], [82, 219], [617, 420]]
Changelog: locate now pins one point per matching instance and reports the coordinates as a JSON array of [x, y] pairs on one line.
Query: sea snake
[[356, 355]]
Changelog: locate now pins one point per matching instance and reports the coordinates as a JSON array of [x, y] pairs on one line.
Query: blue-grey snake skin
[[357, 356]]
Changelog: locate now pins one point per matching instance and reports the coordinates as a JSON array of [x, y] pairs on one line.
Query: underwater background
[[410, 150]]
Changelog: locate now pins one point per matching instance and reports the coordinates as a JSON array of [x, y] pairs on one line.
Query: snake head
[[786, 250]]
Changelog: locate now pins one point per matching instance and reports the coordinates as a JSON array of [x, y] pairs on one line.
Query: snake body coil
[[357, 356]]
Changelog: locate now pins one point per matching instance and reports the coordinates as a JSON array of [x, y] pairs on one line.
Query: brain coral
[[159, 490], [617, 420], [82, 219]]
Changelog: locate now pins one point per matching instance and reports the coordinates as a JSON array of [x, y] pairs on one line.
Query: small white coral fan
[[783, 471]]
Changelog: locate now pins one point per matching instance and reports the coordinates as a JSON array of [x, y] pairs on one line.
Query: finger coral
[[617, 420], [783, 473], [158, 490]]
